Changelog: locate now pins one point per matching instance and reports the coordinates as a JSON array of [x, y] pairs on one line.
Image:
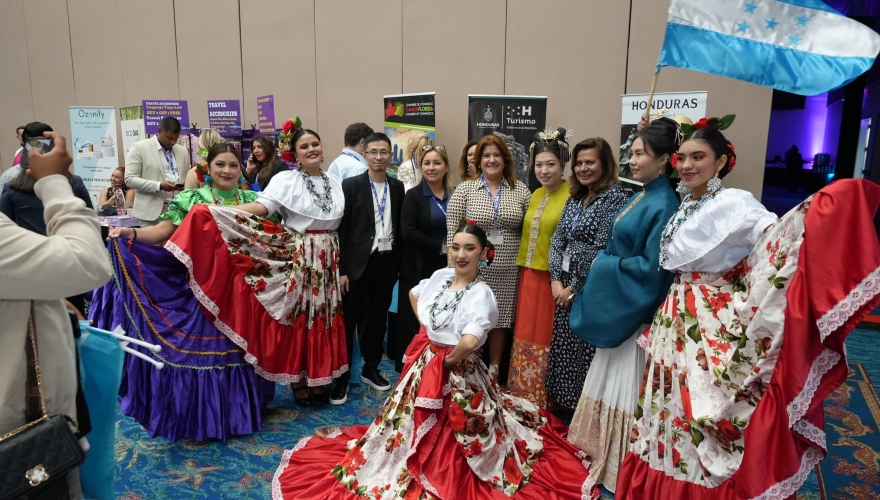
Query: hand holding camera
[[47, 156]]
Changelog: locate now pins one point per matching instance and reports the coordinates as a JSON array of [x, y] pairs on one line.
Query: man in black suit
[[369, 242]]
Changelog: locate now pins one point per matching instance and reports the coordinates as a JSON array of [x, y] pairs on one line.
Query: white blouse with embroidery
[[476, 313], [720, 234], [288, 195]]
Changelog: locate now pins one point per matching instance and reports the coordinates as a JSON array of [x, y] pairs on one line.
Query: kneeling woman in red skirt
[[445, 431]]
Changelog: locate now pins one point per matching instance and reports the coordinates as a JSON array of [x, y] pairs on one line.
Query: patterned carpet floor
[[243, 468]]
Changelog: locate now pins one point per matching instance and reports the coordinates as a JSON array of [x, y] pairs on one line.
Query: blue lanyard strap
[[381, 204], [496, 202], [169, 157], [352, 155], [441, 206], [574, 221]]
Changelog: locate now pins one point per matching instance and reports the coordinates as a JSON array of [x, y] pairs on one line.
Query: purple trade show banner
[[225, 117], [266, 115], [154, 111]]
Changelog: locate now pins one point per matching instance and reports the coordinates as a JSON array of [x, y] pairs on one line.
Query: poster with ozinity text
[[94, 146], [407, 115], [668, 104], [266, 115], [154, 111], [132, 125], [224, 116], [516, 119]]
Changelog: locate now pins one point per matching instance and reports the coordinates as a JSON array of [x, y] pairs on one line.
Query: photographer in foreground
[[69, 260]]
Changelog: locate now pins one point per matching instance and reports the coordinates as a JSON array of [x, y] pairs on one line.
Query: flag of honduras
[[799, 46]]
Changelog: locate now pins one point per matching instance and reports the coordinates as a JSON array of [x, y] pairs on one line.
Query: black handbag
[[38, 454]]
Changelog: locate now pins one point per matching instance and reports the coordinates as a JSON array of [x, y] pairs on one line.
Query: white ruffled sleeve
[[479, 312], [268, 200], [417, 290], [720, 234]]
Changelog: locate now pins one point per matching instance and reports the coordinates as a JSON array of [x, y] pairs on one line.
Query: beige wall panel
[[48, 42], [750, 103], [15, 82], [97, 63], [579, 64], [269, 68], [450, 49], [148, 50], [358, 61], [208, 54]]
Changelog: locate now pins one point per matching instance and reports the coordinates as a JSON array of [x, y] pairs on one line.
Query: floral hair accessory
[[709, 122], [285, 137], [731, 158], [202, 167], [553, 135]]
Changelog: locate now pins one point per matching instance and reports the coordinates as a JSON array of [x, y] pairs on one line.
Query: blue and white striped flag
[[799, 46]]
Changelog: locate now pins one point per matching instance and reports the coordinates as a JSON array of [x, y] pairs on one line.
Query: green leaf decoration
[[686, 128], [696, 435], [297, 122], [726, 121], [694, 333]]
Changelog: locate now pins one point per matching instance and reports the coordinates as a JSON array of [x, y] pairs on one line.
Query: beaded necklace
[[325, 201], [687, 209], [450, 306]]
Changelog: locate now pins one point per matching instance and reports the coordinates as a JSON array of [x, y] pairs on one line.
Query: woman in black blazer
[[423, 227]]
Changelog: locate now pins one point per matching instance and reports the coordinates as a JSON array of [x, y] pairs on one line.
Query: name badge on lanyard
[[385, 242], [496, 238], [566, 261]]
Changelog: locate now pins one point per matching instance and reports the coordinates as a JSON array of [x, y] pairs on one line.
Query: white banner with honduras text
[[799, 46]]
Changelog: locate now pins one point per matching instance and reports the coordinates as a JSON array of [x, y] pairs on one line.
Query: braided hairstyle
[[718, 144]]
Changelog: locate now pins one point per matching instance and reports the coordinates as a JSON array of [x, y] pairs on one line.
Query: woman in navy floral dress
[[581, 233]]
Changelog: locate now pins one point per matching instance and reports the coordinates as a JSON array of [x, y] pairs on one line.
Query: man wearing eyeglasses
[[369, 243]]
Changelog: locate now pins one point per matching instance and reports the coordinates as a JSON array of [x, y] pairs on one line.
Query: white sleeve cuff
[[271, 205]]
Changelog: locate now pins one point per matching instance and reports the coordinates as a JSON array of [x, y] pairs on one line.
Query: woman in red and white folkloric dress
[[446, 431], [749, 341], [274, 290]]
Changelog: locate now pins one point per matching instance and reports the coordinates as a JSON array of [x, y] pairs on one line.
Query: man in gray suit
[[155, 169]]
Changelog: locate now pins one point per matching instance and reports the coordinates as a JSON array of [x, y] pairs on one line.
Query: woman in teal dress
[[207, 389], [623, 289]]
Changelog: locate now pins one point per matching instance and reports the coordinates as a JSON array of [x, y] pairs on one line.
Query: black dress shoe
[[339, 394], [373, 378], [305, 402], [321, 397]]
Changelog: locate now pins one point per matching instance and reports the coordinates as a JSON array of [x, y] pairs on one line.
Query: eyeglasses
[[382, 153], [438, 147]]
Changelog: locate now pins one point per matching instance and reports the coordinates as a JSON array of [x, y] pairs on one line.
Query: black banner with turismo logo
[[516, 119]]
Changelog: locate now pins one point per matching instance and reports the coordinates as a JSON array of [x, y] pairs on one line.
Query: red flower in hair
[[472, 222], [701, 123], [490, 254], [288, 126], [288, 157], [673, 160]]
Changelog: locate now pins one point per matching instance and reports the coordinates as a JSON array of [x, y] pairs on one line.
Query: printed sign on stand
[[154, 111], [266, 115], [668, 104], [516, 119], [132, 124], [405, 116], [93, 130], [224, 116]]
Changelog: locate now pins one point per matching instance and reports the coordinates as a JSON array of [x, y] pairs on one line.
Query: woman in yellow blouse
[[534, 312]]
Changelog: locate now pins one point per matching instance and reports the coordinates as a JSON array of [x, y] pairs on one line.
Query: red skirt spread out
[[442, 433], [272, 291], [766, 437]]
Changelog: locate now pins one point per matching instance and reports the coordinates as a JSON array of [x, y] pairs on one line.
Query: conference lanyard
[[577, 216], [169, 157], [496, 202], [441, 206], [381, 205], [352, 155]]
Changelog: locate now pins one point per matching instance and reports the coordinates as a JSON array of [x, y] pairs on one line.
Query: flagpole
[[651, 95]]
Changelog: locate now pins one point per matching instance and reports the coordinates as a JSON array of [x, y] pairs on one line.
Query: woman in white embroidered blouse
[[712, 419], [446, 431]]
